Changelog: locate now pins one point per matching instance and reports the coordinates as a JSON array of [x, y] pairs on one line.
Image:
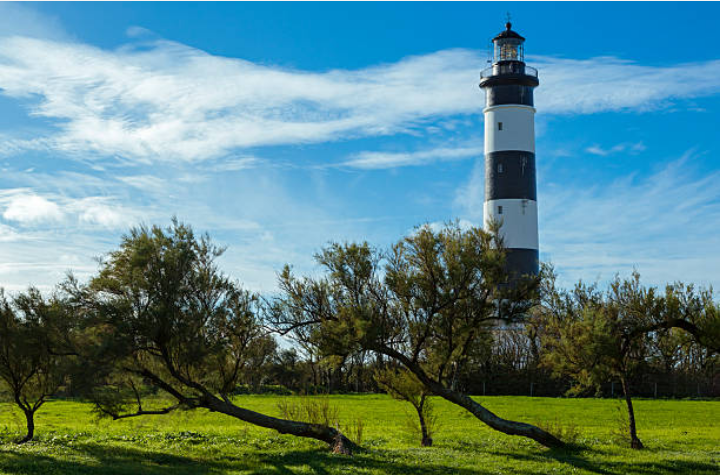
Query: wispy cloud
[[632, 148], [235, 164], [17, 19], [572, 86], [384, 160], [160, 100], [469, 198], [150, 183], [665, 225]]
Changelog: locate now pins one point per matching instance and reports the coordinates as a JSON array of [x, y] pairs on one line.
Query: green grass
[[681, 437]]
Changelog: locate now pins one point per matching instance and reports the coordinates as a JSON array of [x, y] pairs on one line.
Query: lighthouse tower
[[510, 187]]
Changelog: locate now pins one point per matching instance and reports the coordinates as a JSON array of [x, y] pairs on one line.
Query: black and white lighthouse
[[510, 186]]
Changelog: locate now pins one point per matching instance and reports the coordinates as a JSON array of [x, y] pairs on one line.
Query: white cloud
[[148, 183], [235, 164], [25, 207], [384, 160], [101, 212], [7, 233], [571, 86], [160, 100], [632, 148], [28, 208]]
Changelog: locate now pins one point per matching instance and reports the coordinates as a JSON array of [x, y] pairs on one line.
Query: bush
[[568, 433]]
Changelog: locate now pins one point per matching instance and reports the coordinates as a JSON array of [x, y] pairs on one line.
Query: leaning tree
[[162, 316], [594, 336], [35, 333], [429, 304]]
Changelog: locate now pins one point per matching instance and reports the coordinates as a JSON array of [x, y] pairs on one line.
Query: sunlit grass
[[681, 437]]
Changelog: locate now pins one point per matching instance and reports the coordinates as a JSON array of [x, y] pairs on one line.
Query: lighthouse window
[[509, 49], [500, 168], [499, 209], [499, 125], [508, 52]]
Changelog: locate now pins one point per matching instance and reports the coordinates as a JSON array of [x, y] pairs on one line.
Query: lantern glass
[[509, 49]]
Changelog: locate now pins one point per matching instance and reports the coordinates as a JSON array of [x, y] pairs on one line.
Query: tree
[[163, 315], [404, 386], [593, 340], [33, 363], [439, 295]]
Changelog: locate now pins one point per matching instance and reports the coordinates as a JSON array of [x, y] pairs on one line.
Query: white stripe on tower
[[512, 128], [509, 127], [519, 221]]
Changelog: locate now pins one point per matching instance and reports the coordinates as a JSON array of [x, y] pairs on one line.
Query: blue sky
[[280, 127]]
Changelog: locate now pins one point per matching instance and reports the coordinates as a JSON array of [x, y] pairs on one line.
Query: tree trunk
[[30, 419], [635, 442], [426, 440], [333, 437], [499, 424]]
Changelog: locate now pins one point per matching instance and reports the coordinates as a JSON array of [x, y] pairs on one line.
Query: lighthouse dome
[[508, 33]]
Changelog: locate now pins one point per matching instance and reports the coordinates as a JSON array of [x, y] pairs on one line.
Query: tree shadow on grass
[[92, 459], [96, 459], [575, 458], [121, 459]]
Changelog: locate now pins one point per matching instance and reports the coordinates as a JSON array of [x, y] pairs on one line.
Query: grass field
[[681, 437]]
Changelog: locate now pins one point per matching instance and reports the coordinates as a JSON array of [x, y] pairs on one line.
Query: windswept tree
[[592, 340], [428, 304], [34, 358], [595, 336], [164, 316]]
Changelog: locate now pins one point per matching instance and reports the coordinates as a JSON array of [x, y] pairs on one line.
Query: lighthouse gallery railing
[[508, 68]]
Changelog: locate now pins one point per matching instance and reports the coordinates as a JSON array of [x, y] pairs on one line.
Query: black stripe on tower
[[510, 174], [501, 94], [521, 262]]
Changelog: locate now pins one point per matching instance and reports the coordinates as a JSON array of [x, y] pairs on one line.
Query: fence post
[[655, 389], [531, 388], [483, 388], [612, 389]]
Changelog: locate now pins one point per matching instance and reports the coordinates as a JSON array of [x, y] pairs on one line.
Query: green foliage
[[34, 335], [594, 336], [431, 299], [163, 313]]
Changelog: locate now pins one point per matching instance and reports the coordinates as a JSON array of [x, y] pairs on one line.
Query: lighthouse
[[510, 184]]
